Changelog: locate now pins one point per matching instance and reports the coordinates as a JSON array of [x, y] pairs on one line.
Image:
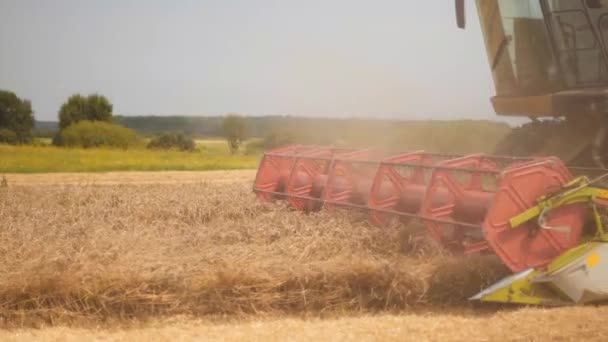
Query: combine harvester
[[549, 59]]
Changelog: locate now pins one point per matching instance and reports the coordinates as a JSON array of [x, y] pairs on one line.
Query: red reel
[[274, 171], [530, 245], [349, 180], [390, 187], [307, 168], [457, 205], [455, 200]]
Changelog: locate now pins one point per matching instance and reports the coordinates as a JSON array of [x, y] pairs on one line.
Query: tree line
[[88, 121]]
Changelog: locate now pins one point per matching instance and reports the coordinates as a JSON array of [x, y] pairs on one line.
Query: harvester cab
[[549, 62]]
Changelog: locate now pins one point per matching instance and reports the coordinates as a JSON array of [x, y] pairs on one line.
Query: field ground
[[566, 324], [212, 155], [192, 256], [130, 177]]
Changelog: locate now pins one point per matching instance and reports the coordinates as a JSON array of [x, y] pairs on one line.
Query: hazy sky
[[400, 58]]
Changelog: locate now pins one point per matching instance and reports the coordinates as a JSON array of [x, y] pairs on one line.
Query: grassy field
[[434, 136], [212, 155]]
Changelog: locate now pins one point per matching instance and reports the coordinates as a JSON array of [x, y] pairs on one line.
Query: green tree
[[235, 131], [16, 116], [99, 108], [77, 108]]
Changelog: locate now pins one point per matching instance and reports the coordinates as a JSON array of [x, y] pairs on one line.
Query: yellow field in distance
[[41, 157]]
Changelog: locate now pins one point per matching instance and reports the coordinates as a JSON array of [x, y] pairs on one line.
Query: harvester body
[[549, 59]]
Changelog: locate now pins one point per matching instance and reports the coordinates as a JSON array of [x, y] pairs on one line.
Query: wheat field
[[141, 256], [565, 324]]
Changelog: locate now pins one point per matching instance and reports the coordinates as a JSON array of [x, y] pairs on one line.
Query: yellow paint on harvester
[[592, 260]]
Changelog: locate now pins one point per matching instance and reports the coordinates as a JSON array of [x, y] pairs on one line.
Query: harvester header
[[531, 212]]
